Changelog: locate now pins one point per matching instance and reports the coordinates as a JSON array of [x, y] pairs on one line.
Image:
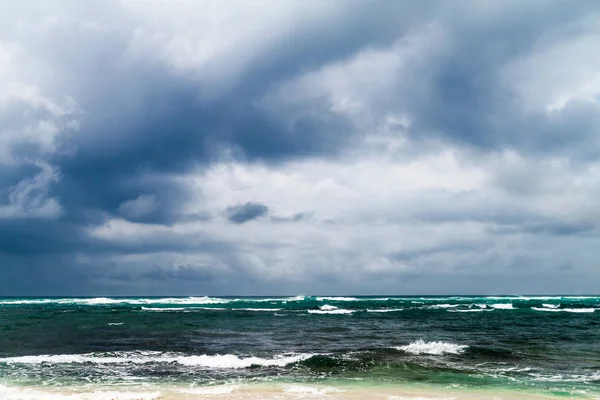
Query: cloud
[[298, 147], [246, 212], [139, 207]]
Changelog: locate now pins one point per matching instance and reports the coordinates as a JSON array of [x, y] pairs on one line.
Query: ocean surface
[[308, 345]]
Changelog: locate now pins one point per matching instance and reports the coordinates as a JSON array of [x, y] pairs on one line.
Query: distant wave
[[433, 348], [338, 299], [571, 310], [328, 309], [503, 306], [226, 361], [384, 310], [551, 305]]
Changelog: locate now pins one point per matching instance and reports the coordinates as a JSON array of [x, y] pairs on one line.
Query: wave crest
[[433, 348], [226, 361]]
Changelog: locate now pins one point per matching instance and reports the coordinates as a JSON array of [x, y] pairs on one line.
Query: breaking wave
[[433, 348], [226, 361]]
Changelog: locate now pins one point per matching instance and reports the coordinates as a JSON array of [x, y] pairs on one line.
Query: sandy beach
[[271, 391]]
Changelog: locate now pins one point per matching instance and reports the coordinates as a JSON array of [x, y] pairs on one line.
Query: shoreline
[[280, 390]]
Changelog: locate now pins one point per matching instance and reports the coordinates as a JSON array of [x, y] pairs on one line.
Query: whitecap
[[471, 310], [115, 323], [337, 311], [328, 307], [226, 361], [444, 305], [551, 305], [338, 299], [434, 348], [384, 310], [100, 301], [502, 306], [571, 310], [164, 309]]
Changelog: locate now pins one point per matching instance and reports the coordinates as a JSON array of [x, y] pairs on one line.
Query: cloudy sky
[[299, 147]]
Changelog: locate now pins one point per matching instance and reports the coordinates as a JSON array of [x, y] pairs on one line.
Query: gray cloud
[[246, 212], [450, 142]]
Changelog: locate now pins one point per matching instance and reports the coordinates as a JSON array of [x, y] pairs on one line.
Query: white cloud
[[29, 198], [557, 73]]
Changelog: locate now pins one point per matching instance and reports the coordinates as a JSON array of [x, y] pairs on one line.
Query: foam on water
[[551, 305], [210, 390], [328, 309], [226, 361], [384, 310], [311, 390], [339, 299], [165, 309], [433, 348], [503, 306], [571, 310], [338, 311], [101, 301], [444, 305], [18, 393]]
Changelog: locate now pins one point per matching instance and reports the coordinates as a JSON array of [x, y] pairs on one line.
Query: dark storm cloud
[[141, 123], [463, 98], [246, 212]]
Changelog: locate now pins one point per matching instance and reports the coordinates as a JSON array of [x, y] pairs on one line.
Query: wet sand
[[271, 391]]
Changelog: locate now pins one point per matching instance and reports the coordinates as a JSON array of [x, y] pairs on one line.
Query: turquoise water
[[548, 344]]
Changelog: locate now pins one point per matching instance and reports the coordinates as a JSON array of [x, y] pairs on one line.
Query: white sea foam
[[164, 309], [99, 301], [384, 310], [434, 348], [551, 305], [311, 390], [502, 306], [337, 311], [571, 310], [472, 310], [210, 390], [115, 323], [17, 393], [328, 309], [337, 299], [295, 298], [256, 309], [566, 377], [226, 361], [444, 305]]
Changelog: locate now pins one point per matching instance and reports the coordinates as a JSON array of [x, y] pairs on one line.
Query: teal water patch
[[545, 343]]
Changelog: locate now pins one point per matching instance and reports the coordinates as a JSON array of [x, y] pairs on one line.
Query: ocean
[[389, 347]]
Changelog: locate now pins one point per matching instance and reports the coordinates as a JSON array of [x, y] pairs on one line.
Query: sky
[[299, 147]]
